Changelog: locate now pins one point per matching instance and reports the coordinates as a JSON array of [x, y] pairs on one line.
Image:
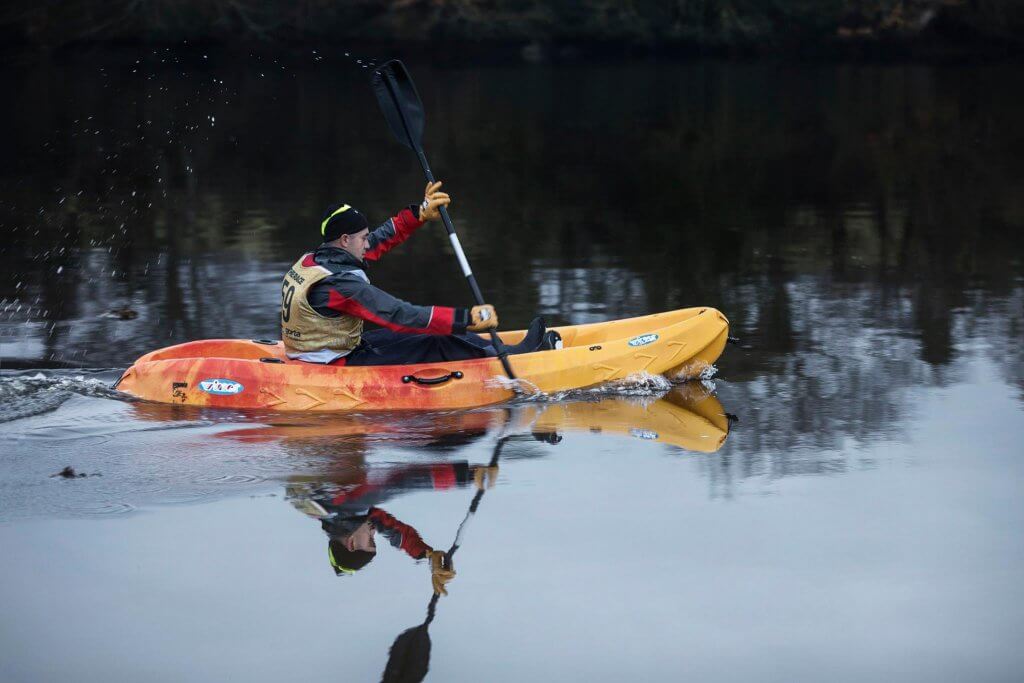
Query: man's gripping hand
[[433, 200], [484, 318]]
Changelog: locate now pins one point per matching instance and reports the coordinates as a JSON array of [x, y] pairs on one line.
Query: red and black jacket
[[399, 534], [347, 291], [350, 506]]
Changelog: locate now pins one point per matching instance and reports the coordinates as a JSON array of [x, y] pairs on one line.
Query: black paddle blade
[[400, 102], [409, 658]]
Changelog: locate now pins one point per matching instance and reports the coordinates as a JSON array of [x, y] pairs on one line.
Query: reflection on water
[[351, 514], [150, 454], [350, 486], [351, 505], [328, 464], [593, 498], [587, 295]]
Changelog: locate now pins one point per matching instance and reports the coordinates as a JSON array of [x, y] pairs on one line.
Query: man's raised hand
[[433, 200]]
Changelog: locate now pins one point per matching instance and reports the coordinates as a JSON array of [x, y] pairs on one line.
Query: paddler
[[326, 298]]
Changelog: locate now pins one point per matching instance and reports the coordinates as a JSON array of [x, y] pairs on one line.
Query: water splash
[[641, 385], [698, 369], [522, 387], [26, 395]]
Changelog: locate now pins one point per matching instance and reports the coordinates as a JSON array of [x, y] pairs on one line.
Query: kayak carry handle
[[432, 380]]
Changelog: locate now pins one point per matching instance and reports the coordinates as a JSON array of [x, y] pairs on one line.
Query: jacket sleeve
[[437, 476], [393, 232], [399, 534], [352, 295]]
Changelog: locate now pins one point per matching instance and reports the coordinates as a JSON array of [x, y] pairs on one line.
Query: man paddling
[[326, 297]]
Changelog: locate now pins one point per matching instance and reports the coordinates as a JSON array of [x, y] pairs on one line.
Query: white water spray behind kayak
[[640, 385]]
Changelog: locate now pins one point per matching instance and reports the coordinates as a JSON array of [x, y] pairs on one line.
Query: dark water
[[860, 226]]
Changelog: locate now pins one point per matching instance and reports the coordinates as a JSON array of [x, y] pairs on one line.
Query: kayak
[[689, 418], [256, 373], [243, 373]]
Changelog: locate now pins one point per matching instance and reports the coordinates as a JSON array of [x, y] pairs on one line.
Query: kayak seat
[[533, 339]]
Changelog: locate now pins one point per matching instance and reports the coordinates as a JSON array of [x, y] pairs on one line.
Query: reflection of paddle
[[409, 657], [404, 113]]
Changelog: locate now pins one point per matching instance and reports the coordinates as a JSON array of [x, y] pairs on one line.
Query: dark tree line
[[545, 27]]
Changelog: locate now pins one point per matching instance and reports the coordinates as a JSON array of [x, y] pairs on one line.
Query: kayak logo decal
[[643, 340], [645, 434], [221, 387]]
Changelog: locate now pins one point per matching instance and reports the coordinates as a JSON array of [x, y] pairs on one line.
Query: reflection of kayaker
[[350, 513]]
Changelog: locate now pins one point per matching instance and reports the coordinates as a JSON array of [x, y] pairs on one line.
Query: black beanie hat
[[345, 561], [341, 219]]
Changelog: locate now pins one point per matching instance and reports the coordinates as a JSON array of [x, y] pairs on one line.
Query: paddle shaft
[[452, 237], [464, 264]]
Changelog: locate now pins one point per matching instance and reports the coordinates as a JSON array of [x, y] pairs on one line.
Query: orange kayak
[[241, 373]]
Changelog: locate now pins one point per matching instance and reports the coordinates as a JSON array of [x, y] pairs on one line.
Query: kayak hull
[[243, 374]]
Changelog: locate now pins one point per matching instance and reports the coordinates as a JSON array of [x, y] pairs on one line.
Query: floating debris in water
[[551, 438], [70, 473], [123, 313]]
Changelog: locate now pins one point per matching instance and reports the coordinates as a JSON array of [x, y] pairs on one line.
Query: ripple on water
[[98, 425], [228, 479], [186, 496], [93, 508]]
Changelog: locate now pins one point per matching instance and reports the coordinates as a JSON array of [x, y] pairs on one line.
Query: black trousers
[[384, 347]]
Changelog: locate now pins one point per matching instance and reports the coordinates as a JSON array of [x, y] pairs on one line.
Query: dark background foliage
[[561, 28]]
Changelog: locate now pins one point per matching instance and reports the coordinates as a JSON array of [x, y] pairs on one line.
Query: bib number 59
[[287, 294]]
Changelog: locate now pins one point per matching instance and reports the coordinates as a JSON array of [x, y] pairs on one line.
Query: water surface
[[840, 501]]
